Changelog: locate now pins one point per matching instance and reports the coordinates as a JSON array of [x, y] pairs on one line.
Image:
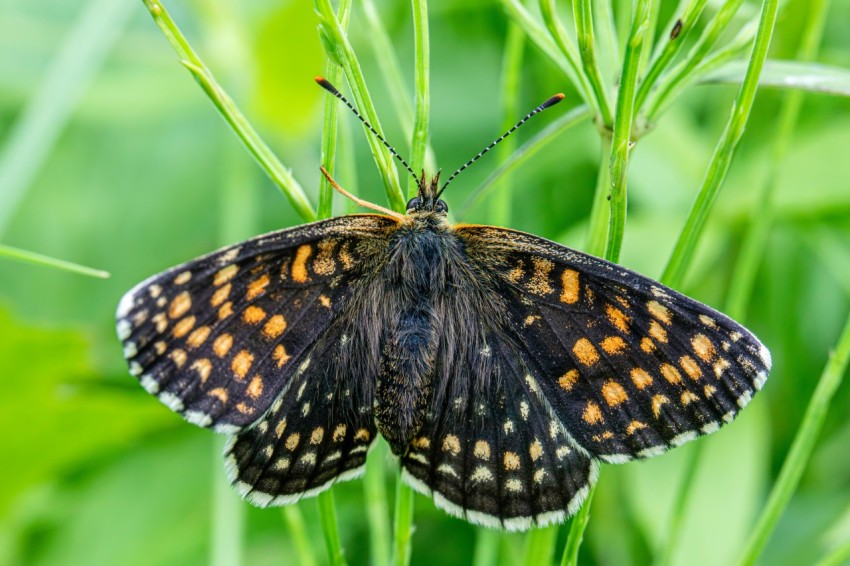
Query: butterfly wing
[[219, 338], [629, 366]]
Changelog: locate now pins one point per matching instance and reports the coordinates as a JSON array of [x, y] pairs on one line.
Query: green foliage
[[112, 157]]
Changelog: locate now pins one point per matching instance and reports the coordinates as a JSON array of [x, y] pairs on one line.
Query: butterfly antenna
[[550, 102], [325, 84]]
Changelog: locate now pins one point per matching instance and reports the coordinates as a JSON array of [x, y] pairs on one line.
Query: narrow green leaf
[[330, 531], [797, 75], [403, 526], [38, 259]]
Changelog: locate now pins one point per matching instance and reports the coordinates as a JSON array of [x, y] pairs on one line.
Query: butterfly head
[[427, 201]]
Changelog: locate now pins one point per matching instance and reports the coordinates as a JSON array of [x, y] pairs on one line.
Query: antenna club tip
[[325, 84], [553, 100]]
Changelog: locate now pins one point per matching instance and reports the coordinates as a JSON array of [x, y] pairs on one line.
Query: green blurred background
[[127, 167]]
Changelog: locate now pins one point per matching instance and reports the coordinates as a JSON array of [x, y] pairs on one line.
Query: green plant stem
[[621, 141], [422, 57], [333, 73], [681, 500], [607, 32], [577, 528], [38, 259], [540, 546], [279, 174], [720, 161], [227, 518], [668, 84], [376, 504], [539, 37], [651, 27], [597, 228], [327, 514], [403, 523], [298, 532], [672, 47], [338, 48], [583, 13], [801, 448], [31, 138], [486, 551]]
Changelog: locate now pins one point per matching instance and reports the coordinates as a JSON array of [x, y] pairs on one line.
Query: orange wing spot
[[160, 321], [325, 301], [647, 345], [530, 319], [219, 393], [540, 282], [535, 450], [292, 441], [160, 347], [220, 295], [178, 357], [515, 274], [568, 380], [703, 347], [570, 286], [635, 426], [198, 336], [339, 433], [614, 393], [421, 443], [641, 378], [183, 327], [657, 402], [688, 398], [708, 321], [613, 345], [225, 274], [671, 374], [592, 414], [280, 355], [203, 367], [324, 263], [362, 435], [317, 435], [585, 352], [618, 318], [242, 364], [691, 367], [281, 426], [222, 345], [451, 444], [721, 365], [225, 310], [274, 327], [257, 287], [345, 256], [183, 278], [607, 435], [299, 266], [511, 461], [255, 388], [244, 409], [657, 332], [253, 315], [482, 450], [709, 391], [659, 311], [179, 305]]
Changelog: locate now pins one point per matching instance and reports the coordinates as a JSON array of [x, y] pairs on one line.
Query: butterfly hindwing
[[629, 366], [218, 338]]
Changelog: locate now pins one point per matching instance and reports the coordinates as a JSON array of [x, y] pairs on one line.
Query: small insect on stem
[[359, 201]]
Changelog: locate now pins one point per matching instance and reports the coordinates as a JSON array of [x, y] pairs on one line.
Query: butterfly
[[500, 367]]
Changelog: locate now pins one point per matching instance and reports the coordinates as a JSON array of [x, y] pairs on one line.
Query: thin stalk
[[577, 528], [680, 505], [672, 46], [298, 531], [720, 161], [607, 31], [541, 38], [486, 551], [583, 14], [228, 514], [376, 504], [38, 259], [600, 212], [565, 44], [540, 546], [801, 448], [333, 73], [403, 526], [33, 135], [668, 83], [279, 174], [327, 514], [422, 57], [621, 141], [651, 27], [338, 47]]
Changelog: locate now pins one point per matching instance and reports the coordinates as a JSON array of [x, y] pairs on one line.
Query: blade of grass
[[227, 515], [298, 531], [621, 140], [540, 546], [583, 14], [376, 504], [539, 37], [337, 46], [403, 525], [279, 174], [801, 448], [722, 158], [577, 528], [330, 532], [47, 261], [651, 28], [422, 57], [33, 135], [486, 551]]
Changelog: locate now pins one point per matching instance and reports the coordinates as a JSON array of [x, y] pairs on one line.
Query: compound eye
[[441, 207], [413, 204]]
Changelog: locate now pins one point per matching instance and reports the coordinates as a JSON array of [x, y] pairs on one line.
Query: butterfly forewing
[[629, 366], [218, 338]]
